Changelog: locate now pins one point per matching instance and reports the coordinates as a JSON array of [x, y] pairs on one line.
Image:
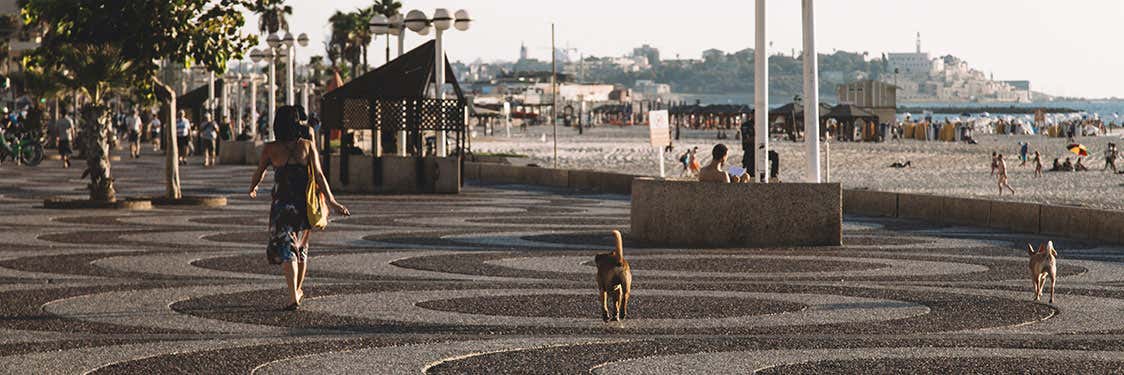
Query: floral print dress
[[288, 215]]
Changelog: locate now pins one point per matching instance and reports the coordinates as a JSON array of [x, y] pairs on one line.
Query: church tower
[[918, 42], [522, 51]]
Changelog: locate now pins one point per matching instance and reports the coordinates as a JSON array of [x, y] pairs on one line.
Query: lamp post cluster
[[278, 47], [418, 22]]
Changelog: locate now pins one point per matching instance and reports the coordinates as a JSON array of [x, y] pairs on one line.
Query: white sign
[[659, 125]]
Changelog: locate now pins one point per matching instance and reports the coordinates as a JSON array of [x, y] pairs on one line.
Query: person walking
[[208, 135], [133, 126], [1037, 164], [1024, 153], [66, 138], [1001, 172], [155, 128], [1110, 155], [296, 164], [994, 162], [183, 135]]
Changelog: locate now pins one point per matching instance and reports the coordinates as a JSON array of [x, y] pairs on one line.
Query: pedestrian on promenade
[[66, 137], [695, 166], [156, 127], [183, 135], [1001, 171], [133, 125], [296, 164], [208, 133]]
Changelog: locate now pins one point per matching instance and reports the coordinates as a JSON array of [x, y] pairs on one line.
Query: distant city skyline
[[1063, 49]]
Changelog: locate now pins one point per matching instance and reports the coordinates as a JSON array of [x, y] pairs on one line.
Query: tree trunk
[[95, 129], [171, 150]]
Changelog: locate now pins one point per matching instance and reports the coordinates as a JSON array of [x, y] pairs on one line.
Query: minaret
[[918, 42]]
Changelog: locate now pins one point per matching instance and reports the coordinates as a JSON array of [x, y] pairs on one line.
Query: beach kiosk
[[380, 130]]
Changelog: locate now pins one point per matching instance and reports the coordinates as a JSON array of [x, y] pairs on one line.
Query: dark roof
[[847, 111], [405, 77], [788, 109], [194, 99]]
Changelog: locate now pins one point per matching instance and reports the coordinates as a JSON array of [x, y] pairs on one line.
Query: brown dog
[[1043, 263], [614, 275]]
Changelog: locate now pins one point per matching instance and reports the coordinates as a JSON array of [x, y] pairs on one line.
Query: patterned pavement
[[499, 279]]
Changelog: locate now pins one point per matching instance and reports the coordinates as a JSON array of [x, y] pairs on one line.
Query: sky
[[1067, 48]]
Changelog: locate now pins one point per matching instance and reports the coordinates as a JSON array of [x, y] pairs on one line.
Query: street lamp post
[[302, 40], [416, 21], [761, 94], [289, 42]]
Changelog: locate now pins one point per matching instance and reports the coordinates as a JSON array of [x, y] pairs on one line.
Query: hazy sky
[[1068, 47]]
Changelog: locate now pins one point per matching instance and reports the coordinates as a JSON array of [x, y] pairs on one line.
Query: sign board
[[659, 125]]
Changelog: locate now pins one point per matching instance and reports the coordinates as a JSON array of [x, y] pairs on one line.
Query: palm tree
[[272, 16], [345, 39], [94, 70], [362, 31]]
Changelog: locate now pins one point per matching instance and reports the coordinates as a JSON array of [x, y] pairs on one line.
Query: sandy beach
[[952, 169]]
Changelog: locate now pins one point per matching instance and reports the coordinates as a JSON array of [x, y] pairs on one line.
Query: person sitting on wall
[[245, 135], [715, 172]]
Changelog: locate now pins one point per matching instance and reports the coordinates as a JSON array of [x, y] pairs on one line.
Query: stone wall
[[399, 175], [1063, 221], [694, 214]]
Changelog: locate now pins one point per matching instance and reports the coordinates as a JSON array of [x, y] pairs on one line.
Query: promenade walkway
[[499, 280]]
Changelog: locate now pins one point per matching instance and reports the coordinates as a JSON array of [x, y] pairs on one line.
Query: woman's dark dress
[[288, 215]]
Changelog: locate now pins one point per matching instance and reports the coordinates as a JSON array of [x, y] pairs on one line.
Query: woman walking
[[293, 160]]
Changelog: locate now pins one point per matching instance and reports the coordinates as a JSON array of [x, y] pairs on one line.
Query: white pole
[[663, 173], [239, 99], [304, 95], [811, 93], [439, 74], [253, 106], [290, 98], [272, 97], [210, 106], [401, 133], [553, 94], [761, 94], [827, 161]]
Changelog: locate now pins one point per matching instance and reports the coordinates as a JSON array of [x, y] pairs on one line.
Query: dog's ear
[[1030, 249], [1041, 248]]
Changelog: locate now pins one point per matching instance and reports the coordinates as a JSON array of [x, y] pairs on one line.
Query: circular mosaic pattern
[[499, 279]]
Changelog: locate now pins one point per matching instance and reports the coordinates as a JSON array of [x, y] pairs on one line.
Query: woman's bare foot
[[300, 296]]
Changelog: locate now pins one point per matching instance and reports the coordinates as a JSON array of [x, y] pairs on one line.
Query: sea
[[1108, 110]]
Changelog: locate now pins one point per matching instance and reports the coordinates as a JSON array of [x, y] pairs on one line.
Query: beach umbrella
[[1078, 149]]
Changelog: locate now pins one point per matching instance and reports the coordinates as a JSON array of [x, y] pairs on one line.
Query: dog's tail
[[619, 252]]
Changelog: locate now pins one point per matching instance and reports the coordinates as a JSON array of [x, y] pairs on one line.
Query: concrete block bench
[[715, 215]]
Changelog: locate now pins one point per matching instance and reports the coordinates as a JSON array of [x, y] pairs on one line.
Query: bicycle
[[25, 149]]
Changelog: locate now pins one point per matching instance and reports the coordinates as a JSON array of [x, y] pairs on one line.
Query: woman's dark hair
[[719, 151], [287, 123]]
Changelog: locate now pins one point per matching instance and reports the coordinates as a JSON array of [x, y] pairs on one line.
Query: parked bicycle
[[24, 148]]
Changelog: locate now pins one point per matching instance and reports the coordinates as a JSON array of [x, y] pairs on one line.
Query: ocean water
[[1103, 108]]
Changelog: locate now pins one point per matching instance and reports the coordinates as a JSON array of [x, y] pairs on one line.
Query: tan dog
[[1043, 263], [614, 275]]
